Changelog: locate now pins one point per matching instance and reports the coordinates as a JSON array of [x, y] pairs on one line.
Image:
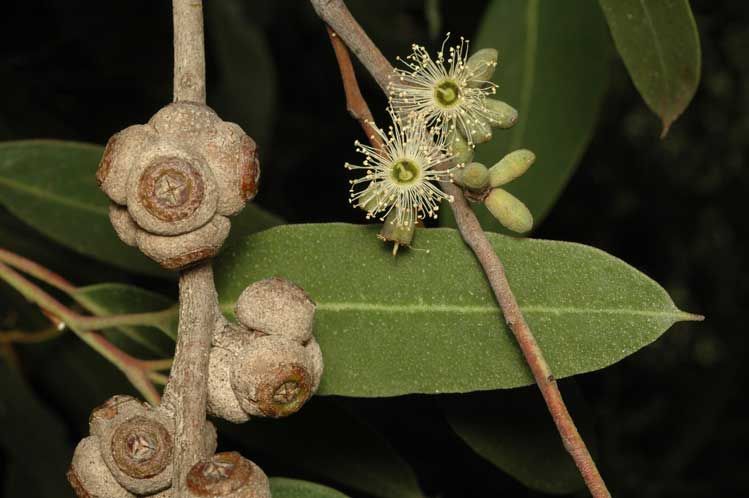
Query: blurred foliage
[[670, 420]]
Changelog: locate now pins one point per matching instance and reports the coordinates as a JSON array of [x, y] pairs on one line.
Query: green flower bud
[[400, 234], [500, 114], [510, 167], [459, 148], [477, 131], [509, 210], [474, 176], [480, 66]]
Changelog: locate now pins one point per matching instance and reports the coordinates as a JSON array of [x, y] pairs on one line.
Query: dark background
[[670, 419]]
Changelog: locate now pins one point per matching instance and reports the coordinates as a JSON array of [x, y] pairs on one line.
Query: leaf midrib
[[455, 308], [658, 47]]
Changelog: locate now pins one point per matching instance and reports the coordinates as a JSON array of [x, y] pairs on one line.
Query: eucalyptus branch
[[134, 369], [355, 103], [189, 52], [185, 394], [336, 15]]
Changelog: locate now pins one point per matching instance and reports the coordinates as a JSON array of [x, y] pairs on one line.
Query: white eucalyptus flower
[[398, 178], [450, 91]]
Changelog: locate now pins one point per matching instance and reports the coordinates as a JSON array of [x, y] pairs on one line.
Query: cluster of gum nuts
[[173, 183], [266, 365]]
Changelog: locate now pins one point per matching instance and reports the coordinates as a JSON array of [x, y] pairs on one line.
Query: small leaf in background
[[427, 322], [553, 68], [282, 487], [33, 442], [660, 45], [513, 430], [50, 185], [246, 85], [350, 453], [114, 299]]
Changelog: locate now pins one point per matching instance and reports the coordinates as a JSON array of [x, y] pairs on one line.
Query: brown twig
[[186, 391], [335, 14], [189, 52], [355, 103]]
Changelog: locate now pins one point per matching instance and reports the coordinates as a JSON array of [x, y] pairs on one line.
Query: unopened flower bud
[[510, 167], [474, 176], [509, 210], [500, 114], [459, 148], [477, 131], [480, 66]]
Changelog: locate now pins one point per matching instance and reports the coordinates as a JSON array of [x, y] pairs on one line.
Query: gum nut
[[172, 194], [273, 377], [181, 251], [115, 407], [510, 167], [123, 224], [480, 66], [121, 154], [234, 337], [186, 122], [227, 475], [509, 210], [316, 360], [460, 150], [137, 447], [232, 156], [500, 114], [277, 306], [222, 402], [89, 475], [478, 131], [474, 176]]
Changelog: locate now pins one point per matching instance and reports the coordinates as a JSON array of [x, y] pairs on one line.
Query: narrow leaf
[[427, 322], [282, 487], [114, 299], [50, 185], [553, 69], [513, 430], [659, 43], [352, 454]]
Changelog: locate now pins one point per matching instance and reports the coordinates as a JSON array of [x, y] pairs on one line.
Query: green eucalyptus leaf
[[348, 451], [113, 299], [513, 430], [33, 442], [660, 46], [427, 322], [553, 69], [50, 185], [282, 487]]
